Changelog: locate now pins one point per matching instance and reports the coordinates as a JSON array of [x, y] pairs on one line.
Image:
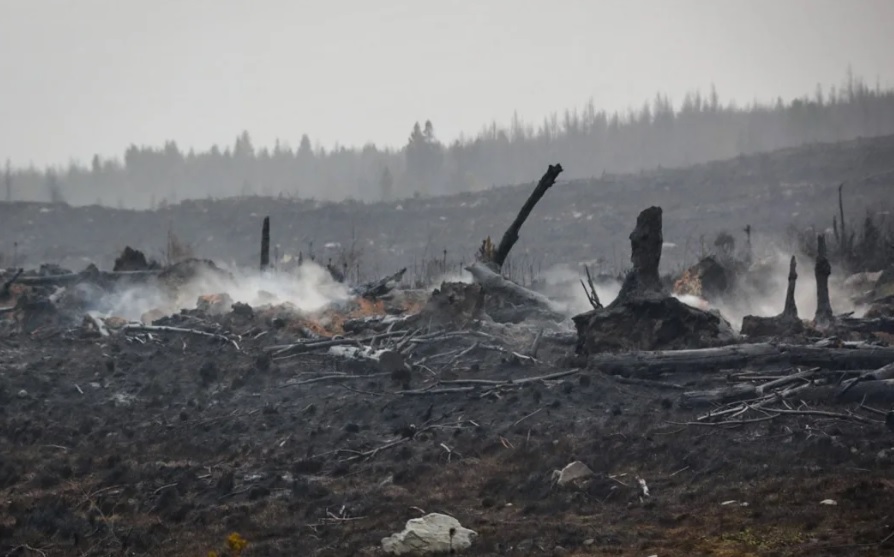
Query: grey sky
[[79, 77]]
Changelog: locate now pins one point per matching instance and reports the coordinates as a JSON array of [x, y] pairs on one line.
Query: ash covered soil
[[164, 444]]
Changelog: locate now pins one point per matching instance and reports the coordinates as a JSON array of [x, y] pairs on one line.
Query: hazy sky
[[79, 77]]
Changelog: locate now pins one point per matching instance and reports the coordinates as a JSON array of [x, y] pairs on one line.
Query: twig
[[535, 346], [339, 377], [823, 414], [523, 418], [164, 487], [308, 346], [591, 292]]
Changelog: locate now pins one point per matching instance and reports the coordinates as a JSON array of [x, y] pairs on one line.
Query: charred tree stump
[[510, 237], [265, 244], [785, 324], [645, 242], [823, 269], [643, 316]]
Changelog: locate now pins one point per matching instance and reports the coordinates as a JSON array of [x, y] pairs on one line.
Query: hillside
[[576, 221]]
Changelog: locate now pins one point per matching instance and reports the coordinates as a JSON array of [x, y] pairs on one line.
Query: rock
[[574, 471], [431, 534], [23, 394], [830, 502]]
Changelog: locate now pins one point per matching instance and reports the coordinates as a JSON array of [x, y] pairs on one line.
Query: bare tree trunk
[[265, 244], [511, 235], [823, 269]]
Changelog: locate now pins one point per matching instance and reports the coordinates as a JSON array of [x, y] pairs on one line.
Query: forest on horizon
[[588, 142]]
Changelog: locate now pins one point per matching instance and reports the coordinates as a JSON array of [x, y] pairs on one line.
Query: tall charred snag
[[791, 310], [824, 316], [784, 324], [645, 243], [265, 244], [644, 316]]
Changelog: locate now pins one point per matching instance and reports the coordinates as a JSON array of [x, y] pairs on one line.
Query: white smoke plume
[[307, 288]]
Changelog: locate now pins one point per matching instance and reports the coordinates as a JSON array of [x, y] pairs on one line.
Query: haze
[[92, 77]]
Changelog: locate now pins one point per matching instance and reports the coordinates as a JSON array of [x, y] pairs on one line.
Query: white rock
[[23, 393], [573, 471], [430, 534], [828, 502]]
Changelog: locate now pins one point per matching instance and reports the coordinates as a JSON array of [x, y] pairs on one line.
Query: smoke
[[308, 288], [762, 291], [562, 284]]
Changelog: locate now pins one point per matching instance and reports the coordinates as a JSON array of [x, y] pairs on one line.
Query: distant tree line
[[588, 142]]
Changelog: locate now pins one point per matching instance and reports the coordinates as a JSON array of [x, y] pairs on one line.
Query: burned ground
[[163, 444], [321, 430]]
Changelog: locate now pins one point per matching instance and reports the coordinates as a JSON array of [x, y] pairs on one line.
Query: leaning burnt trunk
[[824, 316], [504, 299], [510, 237]]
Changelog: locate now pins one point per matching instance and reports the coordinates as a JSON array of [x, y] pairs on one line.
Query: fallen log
[[741, 355], [872, 325], [494, 283]]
